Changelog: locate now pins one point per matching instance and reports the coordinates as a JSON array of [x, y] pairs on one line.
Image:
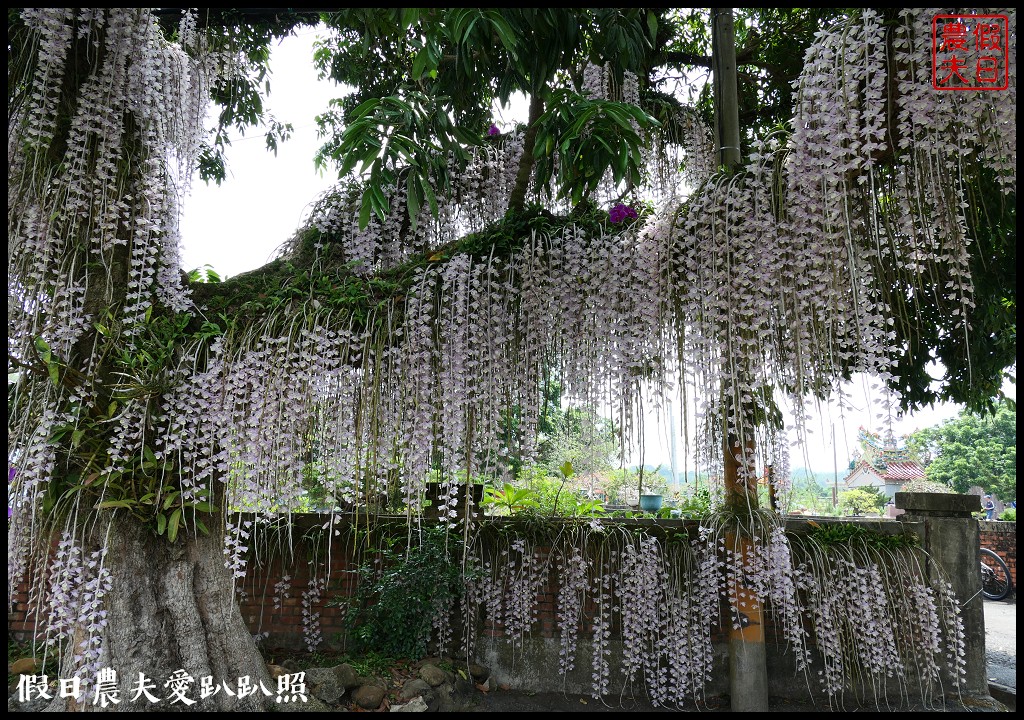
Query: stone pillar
[[950, 537]]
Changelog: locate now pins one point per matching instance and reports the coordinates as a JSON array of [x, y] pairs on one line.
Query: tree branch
[[517, 199]]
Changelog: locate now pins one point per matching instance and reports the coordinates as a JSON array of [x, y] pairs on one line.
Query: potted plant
[[650, 489], [650, 502]]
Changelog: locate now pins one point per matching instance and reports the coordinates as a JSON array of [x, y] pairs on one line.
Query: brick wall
[[1001, 537], [20, 614], [278, 614]]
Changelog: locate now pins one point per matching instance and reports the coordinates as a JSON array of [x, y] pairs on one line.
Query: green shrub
[[397, 599], [697, 505]]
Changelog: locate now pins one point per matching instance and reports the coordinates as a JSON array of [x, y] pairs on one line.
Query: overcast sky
[[238, 226]]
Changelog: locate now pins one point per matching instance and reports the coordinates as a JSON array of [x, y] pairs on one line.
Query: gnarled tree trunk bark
[[171, 608]]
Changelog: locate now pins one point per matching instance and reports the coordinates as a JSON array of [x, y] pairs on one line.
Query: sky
[[238, 226]]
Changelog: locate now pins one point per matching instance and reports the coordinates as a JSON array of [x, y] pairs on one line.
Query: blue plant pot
[[650, 503]]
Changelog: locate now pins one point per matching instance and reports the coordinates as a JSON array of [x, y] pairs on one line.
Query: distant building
[[882, 466]]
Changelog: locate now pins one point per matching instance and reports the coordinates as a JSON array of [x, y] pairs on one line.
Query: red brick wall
[[20, 616], [285, 624], [1001, 537]]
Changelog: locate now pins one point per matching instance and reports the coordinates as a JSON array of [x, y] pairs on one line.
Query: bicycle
[[995, 575]]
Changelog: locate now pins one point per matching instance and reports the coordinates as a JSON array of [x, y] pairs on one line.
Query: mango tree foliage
[[973, 449]]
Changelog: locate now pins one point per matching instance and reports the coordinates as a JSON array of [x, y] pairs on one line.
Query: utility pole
[[727, 118], [673, 449], [748, 673], [835, 469]]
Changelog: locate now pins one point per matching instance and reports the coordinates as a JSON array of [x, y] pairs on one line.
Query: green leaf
[[169, 500], [381, 206], [429, 193], [365, 108], [652, 24], [76, 437], [414, 198], [364, 209], [43, 349], [161, 524], [108, 504], [420, 64], [51, 367], [505, 33], [172, 525], [410, 16], [566, 469]]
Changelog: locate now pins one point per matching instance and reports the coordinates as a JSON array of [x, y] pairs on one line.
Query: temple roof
[[902, 471], [895, 473]]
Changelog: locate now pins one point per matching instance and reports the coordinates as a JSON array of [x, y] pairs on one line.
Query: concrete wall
[[950, 536]]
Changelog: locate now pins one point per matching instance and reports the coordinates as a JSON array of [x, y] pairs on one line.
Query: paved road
[[1001, 643]]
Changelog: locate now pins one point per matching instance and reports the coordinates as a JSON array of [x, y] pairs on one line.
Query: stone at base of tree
[[415, 688], [434, 675], [479, 673], [417, 704], [347, 676], [323, 683], [23, 666], [368, 697], [464, 688], [312, 704]]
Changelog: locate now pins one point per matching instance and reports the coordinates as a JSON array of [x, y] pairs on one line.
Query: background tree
[[862, 500], [583, 438], [973, 449], [623, 485], [812, 491]]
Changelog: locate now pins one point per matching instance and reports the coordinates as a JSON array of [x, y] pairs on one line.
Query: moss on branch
[[323, 276]]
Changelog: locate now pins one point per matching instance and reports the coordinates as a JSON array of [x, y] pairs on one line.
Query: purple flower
[[493, 130], [621, 212]]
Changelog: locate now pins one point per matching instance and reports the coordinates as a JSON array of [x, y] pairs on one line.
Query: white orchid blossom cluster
[[645, 610]]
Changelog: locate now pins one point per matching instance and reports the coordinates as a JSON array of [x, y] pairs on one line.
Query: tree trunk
[[171, 608], [748, 669], [517, 198]]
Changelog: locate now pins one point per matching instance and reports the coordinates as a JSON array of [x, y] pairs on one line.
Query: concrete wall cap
[[938, 502]]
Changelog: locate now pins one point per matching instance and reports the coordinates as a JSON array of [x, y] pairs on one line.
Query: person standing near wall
[[989, 507]]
